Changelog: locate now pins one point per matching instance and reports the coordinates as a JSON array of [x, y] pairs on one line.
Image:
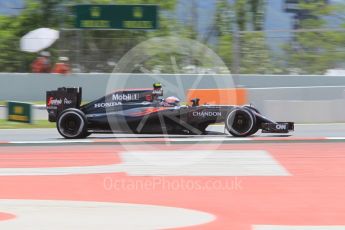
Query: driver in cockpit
[[171, 101]]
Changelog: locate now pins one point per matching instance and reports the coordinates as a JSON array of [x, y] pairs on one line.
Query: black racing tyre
[[251, 108], [256, 126], [241, 122], [72, 124]]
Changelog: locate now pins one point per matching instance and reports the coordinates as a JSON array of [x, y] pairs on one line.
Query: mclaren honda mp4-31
[[146, 111]]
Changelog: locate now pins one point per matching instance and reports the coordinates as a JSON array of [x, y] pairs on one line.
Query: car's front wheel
[[72, 124], [240, 122], [254, 111]]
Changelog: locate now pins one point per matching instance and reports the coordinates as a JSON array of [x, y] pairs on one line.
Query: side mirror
[[195, 101]]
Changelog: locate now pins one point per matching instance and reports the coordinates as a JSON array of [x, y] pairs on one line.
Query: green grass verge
[[4, 124]]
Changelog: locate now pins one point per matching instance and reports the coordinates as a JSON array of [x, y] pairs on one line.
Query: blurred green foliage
[[314, 52], [57, 14], [36, 14], [228, 35]]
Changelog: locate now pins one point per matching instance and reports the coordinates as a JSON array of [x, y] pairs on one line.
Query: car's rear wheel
[[72, 124], [241, 122]]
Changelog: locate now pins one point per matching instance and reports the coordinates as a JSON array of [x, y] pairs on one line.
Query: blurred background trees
[[314, 48], [235, 31]]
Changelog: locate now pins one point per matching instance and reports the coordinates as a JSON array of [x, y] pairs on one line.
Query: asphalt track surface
[[216, 131], [267, 182]]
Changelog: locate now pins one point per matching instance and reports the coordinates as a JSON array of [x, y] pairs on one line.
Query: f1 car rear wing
[[61, 99]]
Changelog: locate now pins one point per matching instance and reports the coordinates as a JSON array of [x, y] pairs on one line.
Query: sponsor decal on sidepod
[[107, 104], [206, 114], [125, 97]]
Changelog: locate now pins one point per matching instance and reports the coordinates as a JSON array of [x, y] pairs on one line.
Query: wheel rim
[[240, 122], [71, 124]]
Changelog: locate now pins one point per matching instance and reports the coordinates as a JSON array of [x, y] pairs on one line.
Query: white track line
[[201, 163], [72, 215], [163, 139], [335, 138], [173, 163], [118, 140], [207, 139], [54, 171], [320, 124], [51, 142]]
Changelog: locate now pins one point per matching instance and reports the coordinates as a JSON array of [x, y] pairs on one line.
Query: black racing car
[[145, 111]]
